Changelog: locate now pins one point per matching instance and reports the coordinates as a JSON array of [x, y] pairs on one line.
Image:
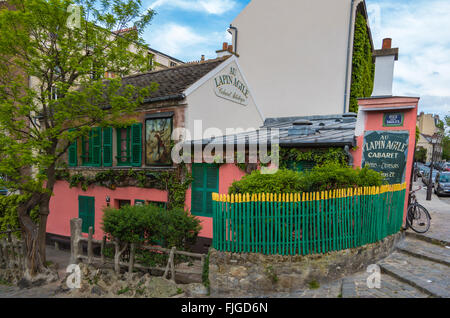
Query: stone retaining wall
[[257, 274]]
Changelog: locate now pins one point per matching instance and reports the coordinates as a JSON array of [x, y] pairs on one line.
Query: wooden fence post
[[75, 234], [5, 253], [170, 265], [132, 255], [90, 249], [102, 249], [1, 251]]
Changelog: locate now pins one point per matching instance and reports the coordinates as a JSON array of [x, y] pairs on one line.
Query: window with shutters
[[129, 146], [92, 148], [124, 146], [73, 152], [206, 182], [301, 166], [86, 212]]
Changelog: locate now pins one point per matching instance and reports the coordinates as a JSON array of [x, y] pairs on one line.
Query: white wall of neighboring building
[[205, 104], [295, 54]]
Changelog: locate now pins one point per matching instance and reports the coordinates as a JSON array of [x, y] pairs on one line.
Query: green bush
[[151, 225], [327, 177], [8, 212], [333, 176], [284, 180]]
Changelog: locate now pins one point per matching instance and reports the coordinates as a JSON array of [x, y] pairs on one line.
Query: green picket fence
[[307, 223]]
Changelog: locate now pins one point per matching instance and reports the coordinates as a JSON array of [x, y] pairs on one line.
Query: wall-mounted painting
[[158, 133]]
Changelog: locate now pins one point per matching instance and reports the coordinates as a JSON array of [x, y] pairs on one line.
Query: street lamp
[[435, 140]]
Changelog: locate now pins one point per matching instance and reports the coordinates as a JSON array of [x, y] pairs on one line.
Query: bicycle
[[418, 218]]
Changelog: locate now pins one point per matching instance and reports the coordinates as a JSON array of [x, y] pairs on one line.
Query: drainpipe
[[236, 36], [350, 25]]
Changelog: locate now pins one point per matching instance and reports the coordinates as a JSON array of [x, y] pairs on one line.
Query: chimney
[[384, 69], [227, 49], [203, 58]]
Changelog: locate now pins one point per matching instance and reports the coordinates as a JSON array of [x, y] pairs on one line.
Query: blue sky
[[186, 29]]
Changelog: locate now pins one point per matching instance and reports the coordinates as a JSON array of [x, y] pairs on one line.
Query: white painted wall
[[294, 54], [217, 112]]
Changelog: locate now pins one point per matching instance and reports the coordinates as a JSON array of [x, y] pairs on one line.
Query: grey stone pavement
[[420, 268]]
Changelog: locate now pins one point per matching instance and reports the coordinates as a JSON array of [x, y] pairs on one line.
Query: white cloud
[[421, 29], [216, 7], [175, 40]]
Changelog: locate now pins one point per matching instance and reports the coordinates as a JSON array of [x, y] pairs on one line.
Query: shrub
[[284, 180], [8, 212], [151, 225], [333, 176], [327, 177]]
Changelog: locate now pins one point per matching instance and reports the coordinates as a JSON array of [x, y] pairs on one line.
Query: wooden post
[[1, 251], [170, 266], [75, 234], [90, 249], [5, 253], [132, 255], [102, 249]]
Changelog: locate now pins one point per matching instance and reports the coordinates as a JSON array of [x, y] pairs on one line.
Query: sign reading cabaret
[[386, 152], [230, 85]]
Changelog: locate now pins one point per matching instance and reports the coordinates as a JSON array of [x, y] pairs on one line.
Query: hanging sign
[[387, 153], [230, 85]]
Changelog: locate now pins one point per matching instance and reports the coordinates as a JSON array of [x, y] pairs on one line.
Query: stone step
[[356, 286], [429, 277], [427, 237], [425, 250]]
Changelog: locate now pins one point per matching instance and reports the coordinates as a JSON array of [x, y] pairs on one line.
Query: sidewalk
[[439, 208]]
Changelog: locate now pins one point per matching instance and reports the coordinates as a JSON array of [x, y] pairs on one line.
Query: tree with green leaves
[[446, 140], [52, 56]]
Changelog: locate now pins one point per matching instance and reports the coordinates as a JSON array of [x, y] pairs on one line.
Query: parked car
[[442, 184], [446, 166], [426, 177]]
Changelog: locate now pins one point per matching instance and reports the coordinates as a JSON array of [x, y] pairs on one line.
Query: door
[[86, 212]]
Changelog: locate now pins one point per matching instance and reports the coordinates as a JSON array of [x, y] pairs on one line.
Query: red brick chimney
[[227, 49], [387, 44]]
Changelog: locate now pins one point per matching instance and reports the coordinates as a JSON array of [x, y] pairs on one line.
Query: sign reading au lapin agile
[[387, 153], [230, 85]]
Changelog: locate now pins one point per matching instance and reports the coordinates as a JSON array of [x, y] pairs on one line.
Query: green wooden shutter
[[91, 213], [136, 145], [212, 186], [73, 152], [206, 182], [107, 147], [197, 189], [96, 142]]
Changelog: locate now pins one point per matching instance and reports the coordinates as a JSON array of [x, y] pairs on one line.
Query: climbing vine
[[175, 182], [363, 66], [318, 156]]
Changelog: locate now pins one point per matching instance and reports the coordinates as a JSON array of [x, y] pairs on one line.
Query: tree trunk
[[30, 232]]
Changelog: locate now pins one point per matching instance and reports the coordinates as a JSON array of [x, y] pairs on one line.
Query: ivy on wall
[[318, 156], [175, 182], [363, 73]]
